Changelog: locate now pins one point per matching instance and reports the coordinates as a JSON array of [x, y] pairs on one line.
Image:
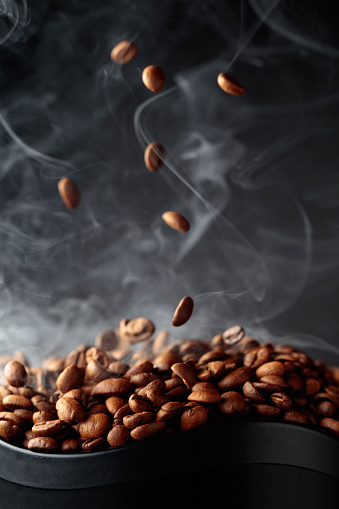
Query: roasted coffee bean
[[174, 383], [185, 372], [124, 52], [107, 340], [176, 221], [69, 192], [77, 357], [93, 444], [14, 401], [270, 368], [139, 329], [263, 410], [205, 396], [27, 415], [168, 410], [177, 394], [157, 397], [12, 418], [251, 392], [274, 380], [70, 410], [118, 368], [295, 416], [98, 355], [192, 346], [139, 367], [164, 361], [157, 384], [139, 404], [326, 408], [148, 430], [142, 379], [42, 444], [231, 402], [294, 381], [15, 374], [118, 436], [153, 78], [95, 372], [70, 445], [217, 354], [230, 84], [134, 420], [235, 378], [114, 403], [10, 432], [183, 311], [331, 424], [193, 417], [281, 400], [112, 387], [256, 357], [203, 386], [95, 426], [233, 335], [154, 156], [312, 386], [70, 378], [159, 343], [41, 416], [48, 429]]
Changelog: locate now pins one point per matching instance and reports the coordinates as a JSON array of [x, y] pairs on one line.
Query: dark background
[[256, 175]]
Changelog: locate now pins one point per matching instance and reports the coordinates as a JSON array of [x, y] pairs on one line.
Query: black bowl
[[261, 464]]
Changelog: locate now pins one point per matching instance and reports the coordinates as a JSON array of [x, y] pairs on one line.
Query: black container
[[255, 464]]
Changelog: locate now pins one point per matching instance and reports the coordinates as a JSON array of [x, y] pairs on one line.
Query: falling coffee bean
[[124, 52], [230, 85], [153, 78], [176, 221], [69, 192], [154, 155], [183, 312]]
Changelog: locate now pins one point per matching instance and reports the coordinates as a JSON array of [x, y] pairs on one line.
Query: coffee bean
[[256, 357], [164, 361], [252, 393], [193, 417], [185, 372], [263, 410], [154, 156], [312, 386], [118, 368], [48, 429], [281, 400], [230, 84], [118, 436], [95, 372], [235, 378], [69, 192], [10, 432], [114, 403], [27, 415], [70, 378], [95, 426], [41, 416], [139, 404], [153, 78], [270, 368], [107, 340], [295, 416], [176, 221], [231, 402], [42, 444], [70, 445], [15, 374], [294, 382], [274, 380], [157, 397], [138, 419], [205, 396], [124, 52], [112, 387], [148, 430], [183, 312], [70, 410], [233, 335], [139, 329], [12, 418], [168, 410], [326, 408], [14, 401], [331, 424], [93, 444]]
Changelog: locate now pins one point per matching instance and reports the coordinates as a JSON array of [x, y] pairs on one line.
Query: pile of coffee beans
[[93, 399]]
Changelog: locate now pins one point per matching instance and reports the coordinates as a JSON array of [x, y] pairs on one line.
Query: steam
[[256, 175]]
